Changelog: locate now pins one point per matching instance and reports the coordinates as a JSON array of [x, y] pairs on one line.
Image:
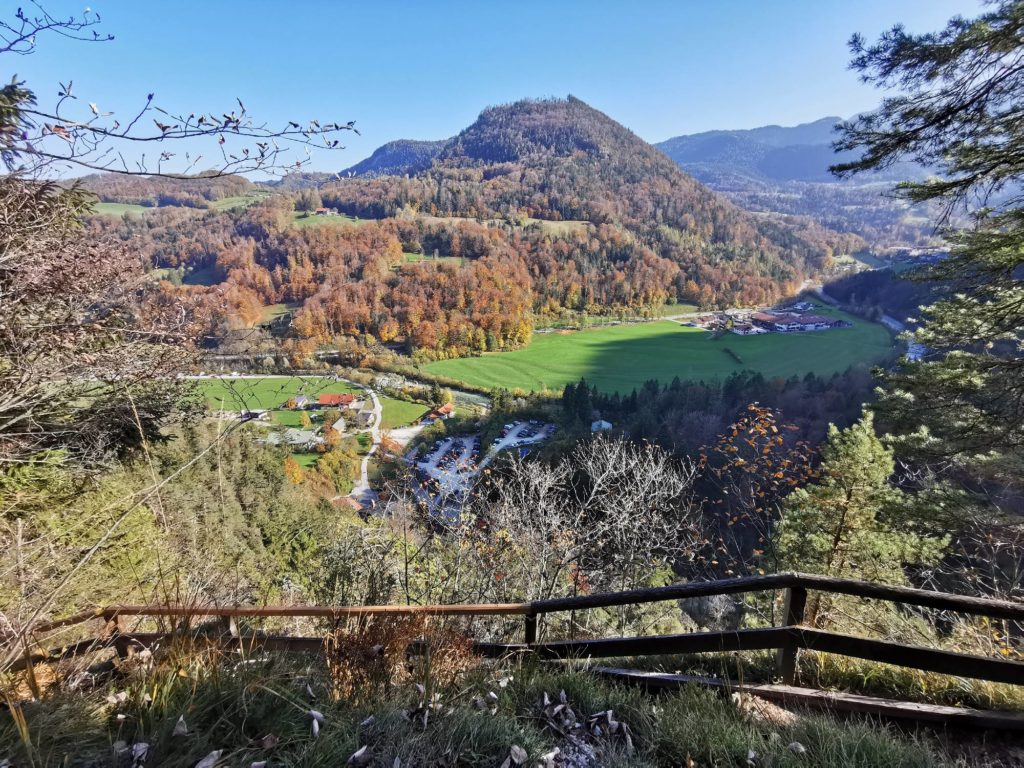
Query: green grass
[[302, 219], [400, 413], [274, 311], [267, 392], [232, 706], [416, 258], [623, 357], [236, 201], [560, 228], [675, 309], [306, 460], [119, 209], [290, 419]]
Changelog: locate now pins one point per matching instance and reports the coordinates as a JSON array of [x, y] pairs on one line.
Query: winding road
[[361, 491]]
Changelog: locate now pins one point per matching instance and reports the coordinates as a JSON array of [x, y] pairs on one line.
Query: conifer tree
[[958, 110], [852, 522]]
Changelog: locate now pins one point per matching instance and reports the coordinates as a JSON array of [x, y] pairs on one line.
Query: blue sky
[[426, 69]]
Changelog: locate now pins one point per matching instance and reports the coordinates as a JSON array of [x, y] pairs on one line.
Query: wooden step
[[833, 701]]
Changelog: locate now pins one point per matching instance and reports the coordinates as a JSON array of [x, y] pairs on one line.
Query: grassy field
[[400, 413], [274, 311], [675, 309], [306, 460], [267, 392], [272, 392], [418, 258], [623, 357], [303, 219], [119, 209], [236, 201]]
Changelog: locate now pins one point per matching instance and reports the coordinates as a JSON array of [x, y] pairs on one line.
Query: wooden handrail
[[671, 592], [978, 606], [321, 612]]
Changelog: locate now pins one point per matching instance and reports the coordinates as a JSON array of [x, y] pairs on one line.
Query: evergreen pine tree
[[959, 112]]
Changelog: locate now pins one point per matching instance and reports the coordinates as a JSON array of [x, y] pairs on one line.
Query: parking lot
[[520, 433], [448, 469]]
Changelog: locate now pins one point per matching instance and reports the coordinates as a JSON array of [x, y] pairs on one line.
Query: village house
[[331, 400], [789, 323], [301, 439], [445, 411], [600, 426], [254, 415]]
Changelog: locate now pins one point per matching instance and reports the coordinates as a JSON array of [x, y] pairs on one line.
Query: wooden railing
[[787, 639]]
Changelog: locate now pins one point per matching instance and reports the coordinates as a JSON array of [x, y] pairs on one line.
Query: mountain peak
[[398, 158], [531, 127]]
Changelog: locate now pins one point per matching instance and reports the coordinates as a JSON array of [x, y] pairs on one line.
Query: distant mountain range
[[785, 170], [771, 153]]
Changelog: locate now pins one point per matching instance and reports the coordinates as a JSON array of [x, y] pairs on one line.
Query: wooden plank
[[693, 642], [832, 701], [80, 648], [282, 643], [913, 656], [326, 612], [671, 592], [925, 598], [77, 618], [289, 644]]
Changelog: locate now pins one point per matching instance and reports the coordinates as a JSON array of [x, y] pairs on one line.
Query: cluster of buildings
[[794, 318], [359, 412]]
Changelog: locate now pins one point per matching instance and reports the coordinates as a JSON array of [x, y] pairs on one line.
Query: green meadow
[[400, 413], [620, 358], [266, 392], [308, 219], [119, 209]]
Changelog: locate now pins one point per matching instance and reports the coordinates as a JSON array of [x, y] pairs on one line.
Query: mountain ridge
[[561, 159]]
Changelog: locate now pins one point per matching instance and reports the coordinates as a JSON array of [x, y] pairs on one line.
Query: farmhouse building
[[788, 323], [600, 426], [330, 400], [445, 411]]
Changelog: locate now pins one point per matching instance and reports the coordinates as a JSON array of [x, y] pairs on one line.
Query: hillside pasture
[[119, 209], [237, 201], [307, 219], [621, 358], [266, 392]]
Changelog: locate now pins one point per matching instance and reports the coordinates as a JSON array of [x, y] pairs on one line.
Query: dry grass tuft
[[374, 655]]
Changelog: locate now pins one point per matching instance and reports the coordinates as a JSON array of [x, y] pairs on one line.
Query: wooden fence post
[[530, 635], [114, 631], [785, 657]]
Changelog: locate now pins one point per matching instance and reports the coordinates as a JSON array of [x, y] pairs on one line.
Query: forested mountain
[[538, 209], [398, 158], [561, 160], [784, 170], [189, 191]]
